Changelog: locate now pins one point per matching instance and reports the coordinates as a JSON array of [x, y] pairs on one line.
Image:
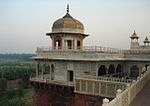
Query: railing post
[[118, 92], [105, 102], [119, 97], [128, 85], [138, 78], [80, 85]]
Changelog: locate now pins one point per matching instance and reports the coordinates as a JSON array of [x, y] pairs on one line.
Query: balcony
[[97, 49], [52, 82], [86, 54], [93, 53], [100, 86]]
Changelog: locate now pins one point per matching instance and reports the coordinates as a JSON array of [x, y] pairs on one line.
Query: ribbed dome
[[68, 24]]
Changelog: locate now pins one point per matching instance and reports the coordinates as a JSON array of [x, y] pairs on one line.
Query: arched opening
[[102, 70], [111, 69], [69, 44], [39, 68], [119, 68], [146, 66], [46, 72], [70, 75], [134, 72], [57, 42], [52, 72], [78, 45]]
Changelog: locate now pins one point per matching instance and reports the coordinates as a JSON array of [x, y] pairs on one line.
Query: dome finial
[[134, 32], [67, 8]]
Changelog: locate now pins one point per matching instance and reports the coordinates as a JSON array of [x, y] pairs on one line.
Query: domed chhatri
[[134, 36], [146, 40], [67, 33], [67, 24]]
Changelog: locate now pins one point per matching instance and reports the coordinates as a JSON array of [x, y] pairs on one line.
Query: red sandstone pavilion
[[69, 74]]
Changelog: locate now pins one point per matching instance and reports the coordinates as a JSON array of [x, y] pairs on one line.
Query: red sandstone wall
[[83, 100], [46, 98], [52, 95]]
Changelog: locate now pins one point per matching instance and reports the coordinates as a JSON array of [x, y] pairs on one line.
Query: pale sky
[[24, 23]]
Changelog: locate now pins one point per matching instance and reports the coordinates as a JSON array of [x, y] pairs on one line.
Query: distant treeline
[[16, 57]]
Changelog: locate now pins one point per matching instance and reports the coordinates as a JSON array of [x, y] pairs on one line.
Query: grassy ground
[[27, 98], [17, 98]]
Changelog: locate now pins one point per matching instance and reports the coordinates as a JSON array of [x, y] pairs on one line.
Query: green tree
[[3, 84]]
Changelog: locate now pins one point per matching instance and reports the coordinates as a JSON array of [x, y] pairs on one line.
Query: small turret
[[146, 41], [134, 41]]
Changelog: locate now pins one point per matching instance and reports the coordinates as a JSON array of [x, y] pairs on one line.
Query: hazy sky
[[24, 23]]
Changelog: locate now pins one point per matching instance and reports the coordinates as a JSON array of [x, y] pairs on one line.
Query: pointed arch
[[134, 72], [46, 70], [52, 72], [111, 69], [78, 44], [102, 70], [39, 68], [57, 42], [119, 68]]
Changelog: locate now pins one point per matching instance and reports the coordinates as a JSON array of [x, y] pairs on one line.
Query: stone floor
[[143, 98]]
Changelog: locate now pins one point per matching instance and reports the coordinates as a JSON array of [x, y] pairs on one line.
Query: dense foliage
[[16, 97], [16, 68]]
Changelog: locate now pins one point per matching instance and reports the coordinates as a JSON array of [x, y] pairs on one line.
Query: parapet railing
[[100, 86], [96, 49], [108, 79], [137, 51], [60, 82], [126, 97], [84, 49], [101, 49]]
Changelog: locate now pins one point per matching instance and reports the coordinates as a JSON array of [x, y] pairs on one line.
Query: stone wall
[[43, 97], [87, 100]]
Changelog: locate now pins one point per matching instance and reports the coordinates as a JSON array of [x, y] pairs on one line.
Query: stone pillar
[[127, 68], [115, 66], [75, 44], [105, 102], [63, 44], [37, 69], [80, 85], [42, 72], [93, 87], [140, 69], [107, 67], [106, 91], [49, 72], [86, 86], [97, 68], [99, 87]]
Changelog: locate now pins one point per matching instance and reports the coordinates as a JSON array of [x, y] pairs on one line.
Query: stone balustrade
[[100, 86], [96, 49], [124, 98], [48, 81], [103, 78]]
